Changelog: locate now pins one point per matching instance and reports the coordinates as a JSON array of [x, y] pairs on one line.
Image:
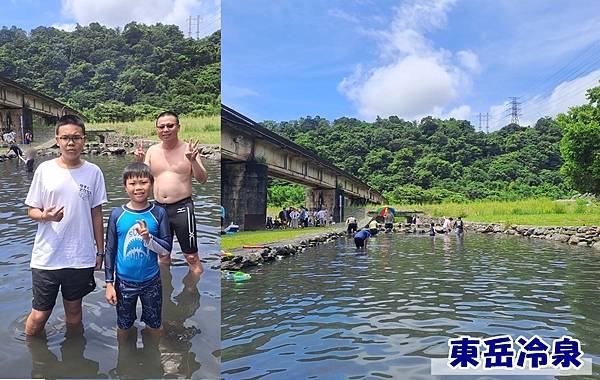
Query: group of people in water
[[65, 199], [373, 227]]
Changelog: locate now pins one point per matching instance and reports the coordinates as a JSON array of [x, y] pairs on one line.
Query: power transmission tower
[[191, 22], [515, 110], [487, 122]]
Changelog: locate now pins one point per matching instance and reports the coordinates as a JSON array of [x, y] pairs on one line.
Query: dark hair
[[137, 170], [70, 119], [168, 113]]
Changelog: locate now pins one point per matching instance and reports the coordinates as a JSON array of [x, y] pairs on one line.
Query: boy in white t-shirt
[[65, 198]]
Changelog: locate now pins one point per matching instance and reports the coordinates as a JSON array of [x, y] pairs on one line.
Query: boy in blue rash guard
[[137, 232]]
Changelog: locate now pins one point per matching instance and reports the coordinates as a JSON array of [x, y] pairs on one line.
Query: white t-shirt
[[70, 242]]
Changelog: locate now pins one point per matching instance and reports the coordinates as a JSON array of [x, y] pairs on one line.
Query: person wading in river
[[173, 164], [65, 198]]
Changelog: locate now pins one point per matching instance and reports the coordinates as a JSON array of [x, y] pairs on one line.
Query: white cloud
[[409, 87], [66, 27], [115, 13], [338, 13], [469, 60], [565, 95], [235, 92], [415, 79], [459, 113]]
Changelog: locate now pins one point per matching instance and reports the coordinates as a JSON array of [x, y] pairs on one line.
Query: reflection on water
[[46, 364], [177, 336], [337, 313], [134, 362], [190, 346]]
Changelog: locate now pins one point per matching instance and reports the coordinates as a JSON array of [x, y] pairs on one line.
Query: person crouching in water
[[432, 229], [361, 237], [352, 225], [29, 159], [137, 232], [388, 219], [460, 226], [373, 227]]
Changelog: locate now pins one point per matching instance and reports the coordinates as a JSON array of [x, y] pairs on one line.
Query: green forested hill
[[436, 160], [113, 74]]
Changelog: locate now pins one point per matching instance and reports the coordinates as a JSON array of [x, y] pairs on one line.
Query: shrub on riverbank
[[532, 211], [206, 129]]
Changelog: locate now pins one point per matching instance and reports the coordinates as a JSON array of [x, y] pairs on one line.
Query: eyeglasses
[[74, 138], [168, 126]]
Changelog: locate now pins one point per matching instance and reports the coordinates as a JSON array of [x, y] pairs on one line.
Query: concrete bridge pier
[[244, 194], [331, 200]]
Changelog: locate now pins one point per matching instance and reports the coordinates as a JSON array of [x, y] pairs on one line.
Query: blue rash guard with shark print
[[126, 252]]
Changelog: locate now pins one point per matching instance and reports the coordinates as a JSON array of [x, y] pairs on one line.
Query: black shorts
[[183, 223], [73, 283], [360, 243], [149, 292], [352, 227], [389, 226]]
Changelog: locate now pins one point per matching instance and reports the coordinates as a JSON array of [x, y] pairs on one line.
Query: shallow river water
[[336, 313], [191, 305]]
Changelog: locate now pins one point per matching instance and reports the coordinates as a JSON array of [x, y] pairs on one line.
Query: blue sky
[[362, 58], [65, 14]]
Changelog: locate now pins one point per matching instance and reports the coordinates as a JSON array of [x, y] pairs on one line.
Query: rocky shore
[[243, 258], [580, 236]]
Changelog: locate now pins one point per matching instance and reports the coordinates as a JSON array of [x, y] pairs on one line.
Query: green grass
[[205, 129], [240, 239], [532, 211]]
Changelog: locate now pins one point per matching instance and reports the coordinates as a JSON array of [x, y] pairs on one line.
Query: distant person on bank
[[65, 198], [294, 217], [173, 163], [283, 217]]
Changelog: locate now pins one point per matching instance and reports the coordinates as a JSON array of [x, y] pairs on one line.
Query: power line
[[567, 73]]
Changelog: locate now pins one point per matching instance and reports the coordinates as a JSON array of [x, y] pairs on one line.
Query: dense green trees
[[113, 74], [436, 160], [580, 145]]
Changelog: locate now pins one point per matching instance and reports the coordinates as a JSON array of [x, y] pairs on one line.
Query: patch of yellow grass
[[207, 129]]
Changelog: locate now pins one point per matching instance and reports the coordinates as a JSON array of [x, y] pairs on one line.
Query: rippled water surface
[[336, 313], [191, 305]]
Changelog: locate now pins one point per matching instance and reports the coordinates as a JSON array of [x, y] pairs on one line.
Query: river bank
[[110, 143]]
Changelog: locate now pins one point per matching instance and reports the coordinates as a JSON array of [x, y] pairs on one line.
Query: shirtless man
[[173, 163]]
